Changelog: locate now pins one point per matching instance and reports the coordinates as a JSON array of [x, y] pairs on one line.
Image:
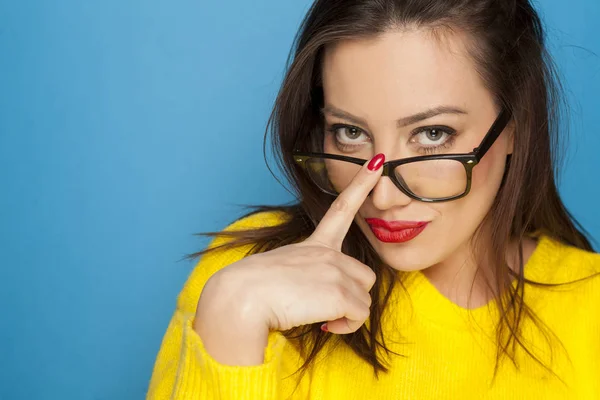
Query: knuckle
[[314, 251], [361, 180], [328, 255], [364, 313], [370, 277], [335, 274], [369, 301], [315, 255], [340, 204], [340, 293]]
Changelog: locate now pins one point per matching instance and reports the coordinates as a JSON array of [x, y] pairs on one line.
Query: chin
[[414, 255], [405, 259]]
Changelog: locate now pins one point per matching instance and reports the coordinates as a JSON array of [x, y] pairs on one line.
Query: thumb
[[341, 326]]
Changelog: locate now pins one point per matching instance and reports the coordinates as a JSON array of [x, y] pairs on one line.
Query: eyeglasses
[[431, 178]]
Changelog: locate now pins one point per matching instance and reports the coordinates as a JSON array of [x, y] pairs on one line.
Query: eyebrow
[[402, 122]]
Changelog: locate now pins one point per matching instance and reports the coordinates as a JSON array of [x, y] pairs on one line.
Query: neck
[[468, 280]]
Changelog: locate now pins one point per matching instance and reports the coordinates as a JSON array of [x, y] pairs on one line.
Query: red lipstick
[[395, 231]]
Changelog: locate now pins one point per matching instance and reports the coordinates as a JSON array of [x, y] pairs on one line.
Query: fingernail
[[324, 327], [376, 162]]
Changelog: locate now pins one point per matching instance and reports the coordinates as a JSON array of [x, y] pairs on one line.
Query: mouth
[[395, 231]]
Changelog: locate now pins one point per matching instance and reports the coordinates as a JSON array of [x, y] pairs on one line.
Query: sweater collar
[[432, 307]]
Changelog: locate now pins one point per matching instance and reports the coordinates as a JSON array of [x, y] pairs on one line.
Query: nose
[[386, 195]]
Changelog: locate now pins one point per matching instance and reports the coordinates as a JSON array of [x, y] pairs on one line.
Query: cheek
[[487, 175], [485, 182], [466, 214], [458, 220]]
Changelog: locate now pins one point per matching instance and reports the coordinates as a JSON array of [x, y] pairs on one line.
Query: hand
[[294, 285], [308, 282]]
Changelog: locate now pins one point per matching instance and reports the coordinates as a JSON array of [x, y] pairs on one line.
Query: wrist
[[231, 328], [230, 340]]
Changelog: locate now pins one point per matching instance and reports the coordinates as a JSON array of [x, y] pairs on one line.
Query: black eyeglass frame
[[468, 160]]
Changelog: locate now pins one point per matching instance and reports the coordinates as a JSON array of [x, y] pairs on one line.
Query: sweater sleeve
[[185, 370]]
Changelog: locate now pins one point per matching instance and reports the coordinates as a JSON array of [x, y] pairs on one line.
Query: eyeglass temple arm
[[495, 131]]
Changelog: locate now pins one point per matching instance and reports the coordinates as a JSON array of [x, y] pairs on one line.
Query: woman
[[452, 270]]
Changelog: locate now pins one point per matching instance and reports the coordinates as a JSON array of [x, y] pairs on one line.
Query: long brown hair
[[508, 47]]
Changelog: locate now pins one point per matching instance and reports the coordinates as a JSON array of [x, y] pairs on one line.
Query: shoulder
[[568, 299], [216, 259], [255, 221], [556, 262]]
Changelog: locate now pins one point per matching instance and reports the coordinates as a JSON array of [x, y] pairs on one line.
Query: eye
[[349, 135], [432, 137]]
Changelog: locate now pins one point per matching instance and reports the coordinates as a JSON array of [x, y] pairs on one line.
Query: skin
[[398, 74]]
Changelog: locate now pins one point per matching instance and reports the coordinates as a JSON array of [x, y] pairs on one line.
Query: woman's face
[[370, 87]]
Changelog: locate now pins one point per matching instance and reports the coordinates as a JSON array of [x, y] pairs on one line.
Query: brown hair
[[508, 48]]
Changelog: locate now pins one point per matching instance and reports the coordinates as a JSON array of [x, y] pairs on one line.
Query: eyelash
[[332, 129]]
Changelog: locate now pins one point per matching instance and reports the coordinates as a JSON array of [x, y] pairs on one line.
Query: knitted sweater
[[447, 352]]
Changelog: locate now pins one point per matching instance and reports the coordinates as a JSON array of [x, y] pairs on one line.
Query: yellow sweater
[[449, 350]]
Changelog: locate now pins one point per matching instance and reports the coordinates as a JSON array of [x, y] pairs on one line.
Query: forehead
[[400, 73]]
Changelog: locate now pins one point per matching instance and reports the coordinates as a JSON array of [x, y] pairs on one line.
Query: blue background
[[122, 125]]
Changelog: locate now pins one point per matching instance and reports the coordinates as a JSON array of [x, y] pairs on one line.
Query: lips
[[395, 231]]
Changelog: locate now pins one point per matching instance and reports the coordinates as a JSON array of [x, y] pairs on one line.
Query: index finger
[[337, 220]]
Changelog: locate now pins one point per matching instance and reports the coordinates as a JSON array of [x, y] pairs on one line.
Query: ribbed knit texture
[[447, 352]]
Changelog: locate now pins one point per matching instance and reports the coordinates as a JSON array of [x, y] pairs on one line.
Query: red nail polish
[[376, 162], [324, 327]]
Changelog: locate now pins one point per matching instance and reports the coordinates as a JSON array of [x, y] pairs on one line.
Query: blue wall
[[122, 125]]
